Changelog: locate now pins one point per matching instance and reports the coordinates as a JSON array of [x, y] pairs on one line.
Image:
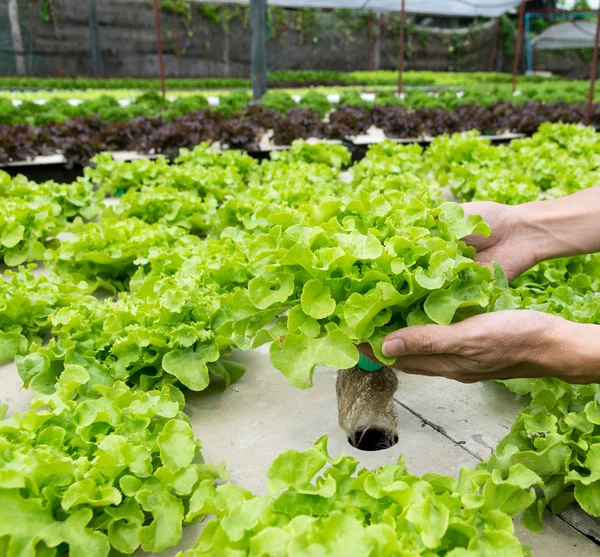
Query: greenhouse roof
[[570, 34], [452, 8]]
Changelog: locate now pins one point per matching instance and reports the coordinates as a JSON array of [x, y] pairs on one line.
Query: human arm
[[501, 345], [524, 235]]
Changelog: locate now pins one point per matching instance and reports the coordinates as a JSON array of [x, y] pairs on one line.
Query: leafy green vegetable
[[77, 198], [27, 303], [215, 251], [335, 156], [177, 325], [558, 160], [169, 206], [556, 437], [349, 271], [319, 505], [108, 252], [114, 471], [25, 226]]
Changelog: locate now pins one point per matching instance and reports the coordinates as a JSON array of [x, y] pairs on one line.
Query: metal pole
[[159, 51], [528, 43], [593, 73], [177, 42], [17, 38], [377, 53], [401, 47], [95, 49], [258, 25], [519, 44]]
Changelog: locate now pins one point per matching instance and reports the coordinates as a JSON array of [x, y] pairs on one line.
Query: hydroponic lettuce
[[335, 156], [24, 228], [31, 213], [203, 170], [76, 198], [291, 184], [176, 325], [27, 303], [340, 263], [318, 505], [558, 160], [352, 270], [113, 472], [108, 252], [389, 166], [567, 287], [557, 438], [236, 124], [166, 205]]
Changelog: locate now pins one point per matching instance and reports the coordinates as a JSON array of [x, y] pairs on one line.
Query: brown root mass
[[366, 402]]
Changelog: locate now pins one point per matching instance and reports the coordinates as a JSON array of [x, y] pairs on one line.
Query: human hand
[[500, 345], [507, 244]]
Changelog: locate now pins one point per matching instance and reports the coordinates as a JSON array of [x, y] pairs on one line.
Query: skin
[[519, 343]]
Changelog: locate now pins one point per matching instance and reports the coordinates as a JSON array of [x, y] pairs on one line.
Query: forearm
[[573, 353], [562, 227]]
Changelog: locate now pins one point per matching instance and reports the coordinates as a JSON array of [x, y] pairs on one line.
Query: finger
[[484, 262], [414, 371], [366, 349], [443, 364], [424, 339], [478, 207], [423, 365], [461, 377], [475, 208]]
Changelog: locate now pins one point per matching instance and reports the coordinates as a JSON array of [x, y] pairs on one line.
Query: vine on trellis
[[181, 9], [49, 13]]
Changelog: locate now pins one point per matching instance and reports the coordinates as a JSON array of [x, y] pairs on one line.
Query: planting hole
[[373, 439]]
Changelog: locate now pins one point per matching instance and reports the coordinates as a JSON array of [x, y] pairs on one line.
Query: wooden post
[[258, 25], [95, 49], [519, 44], [371, 43], [593, 74], [159, 51], [401, 47], [17, 38], [177, 42]]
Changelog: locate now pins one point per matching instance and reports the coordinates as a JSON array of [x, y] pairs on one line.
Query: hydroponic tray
[[367, 140], [442, 426], [59, 159]]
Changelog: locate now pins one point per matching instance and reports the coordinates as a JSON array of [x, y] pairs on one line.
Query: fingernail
[[394, 347]]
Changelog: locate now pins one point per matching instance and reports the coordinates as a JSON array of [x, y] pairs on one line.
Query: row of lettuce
[[257, 127], [200, 256], [282, 78], [58, 109]]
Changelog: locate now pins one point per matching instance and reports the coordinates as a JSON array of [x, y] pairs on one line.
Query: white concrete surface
[[12, 391]]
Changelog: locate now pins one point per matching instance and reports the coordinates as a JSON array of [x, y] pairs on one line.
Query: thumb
[[422, 339]]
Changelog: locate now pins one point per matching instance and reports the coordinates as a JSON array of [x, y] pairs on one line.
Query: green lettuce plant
[[318, 505], [350, 271], [113, 472]]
